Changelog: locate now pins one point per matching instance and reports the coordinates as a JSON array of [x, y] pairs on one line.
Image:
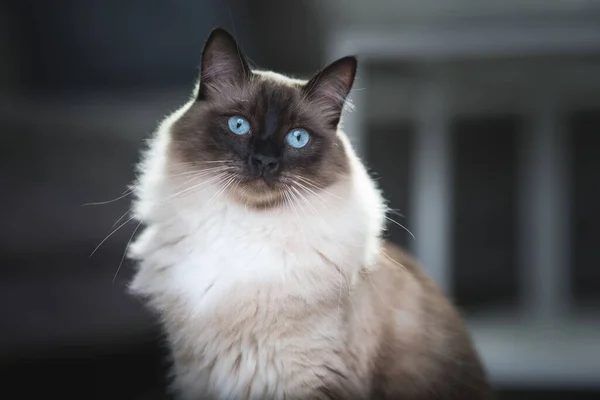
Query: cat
[[262, 250]]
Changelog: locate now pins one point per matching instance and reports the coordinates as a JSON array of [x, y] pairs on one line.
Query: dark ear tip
[[351, 60], [219, 32], [348, 64]]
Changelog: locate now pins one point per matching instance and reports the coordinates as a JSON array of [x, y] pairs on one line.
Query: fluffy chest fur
[[251, 299]]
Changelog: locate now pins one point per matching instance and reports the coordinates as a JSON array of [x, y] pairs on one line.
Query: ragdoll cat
[[262, 251]]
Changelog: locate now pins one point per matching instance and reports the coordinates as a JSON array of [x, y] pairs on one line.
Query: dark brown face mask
[[267, 130]]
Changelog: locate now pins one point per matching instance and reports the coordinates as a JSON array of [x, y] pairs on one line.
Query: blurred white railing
[[546, 342], [392, 13]]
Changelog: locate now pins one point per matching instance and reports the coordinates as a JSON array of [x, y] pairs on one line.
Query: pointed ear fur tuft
[[330, 87], [223, 64]]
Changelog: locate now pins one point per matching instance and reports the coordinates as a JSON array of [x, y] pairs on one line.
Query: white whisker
[[163, 201], [400, 225], [311, 191], [109, 235], [314, 185], [203, 171], [132, 207], [201, 184], [368, 273], [296, 199], [202, 162], [122, 216], [126, 249], [100, 203], [303, 198], [288, 195], [230, 180], [392, 260], [310, 206]]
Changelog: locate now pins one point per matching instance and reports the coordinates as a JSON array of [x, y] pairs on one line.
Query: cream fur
[[251, 299]]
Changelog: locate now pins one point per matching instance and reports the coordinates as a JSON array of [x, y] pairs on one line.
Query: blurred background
[[479, 119]]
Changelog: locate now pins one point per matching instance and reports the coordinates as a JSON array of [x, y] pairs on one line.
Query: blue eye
[[297, 138], [239, 125]]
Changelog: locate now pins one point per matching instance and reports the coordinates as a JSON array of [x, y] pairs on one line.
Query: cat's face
[[261, 136]]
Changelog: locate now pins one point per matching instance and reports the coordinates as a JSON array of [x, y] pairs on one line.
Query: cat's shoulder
[[408, 283], [426, 323]]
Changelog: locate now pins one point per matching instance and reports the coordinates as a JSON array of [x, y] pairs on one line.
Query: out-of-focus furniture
[[429, 64]]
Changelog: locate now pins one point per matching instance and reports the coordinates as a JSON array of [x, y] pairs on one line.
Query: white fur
[[199, 249]]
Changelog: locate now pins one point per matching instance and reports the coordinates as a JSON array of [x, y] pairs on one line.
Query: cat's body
[[271, 294]]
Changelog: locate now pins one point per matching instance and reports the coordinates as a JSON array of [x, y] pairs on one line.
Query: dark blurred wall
[[289, 35], [103, 44], [9, 60]]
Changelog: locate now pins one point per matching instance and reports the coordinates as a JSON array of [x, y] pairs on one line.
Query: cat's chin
[[259, 193]]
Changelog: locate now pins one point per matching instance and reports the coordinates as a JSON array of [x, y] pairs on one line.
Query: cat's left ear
[[223, 64], [330, 87]]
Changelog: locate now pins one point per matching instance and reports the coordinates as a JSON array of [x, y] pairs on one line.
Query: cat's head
[[260, 135]]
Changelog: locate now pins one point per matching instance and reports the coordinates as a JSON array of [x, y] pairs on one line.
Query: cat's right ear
[[330, 88], [223, 64]]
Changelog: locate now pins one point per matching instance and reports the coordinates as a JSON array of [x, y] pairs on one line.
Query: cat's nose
[[264, 165]]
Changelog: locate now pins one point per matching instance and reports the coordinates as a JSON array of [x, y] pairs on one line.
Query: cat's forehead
[[268, 92], [265, 94], [275, 78], [270, 87]]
